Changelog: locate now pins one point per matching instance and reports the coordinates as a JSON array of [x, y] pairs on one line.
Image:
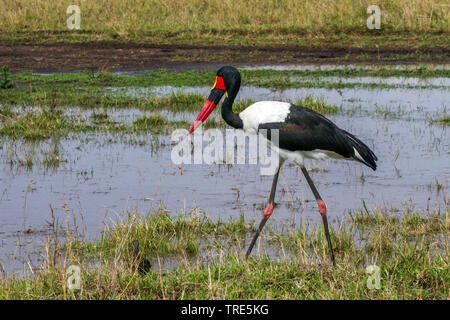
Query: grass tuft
[[205, 260], [5, 79]]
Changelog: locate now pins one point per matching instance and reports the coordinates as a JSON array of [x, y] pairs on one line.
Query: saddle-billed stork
[[302, 133]]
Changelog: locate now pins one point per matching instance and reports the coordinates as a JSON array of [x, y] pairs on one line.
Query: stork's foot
[[268, 211]]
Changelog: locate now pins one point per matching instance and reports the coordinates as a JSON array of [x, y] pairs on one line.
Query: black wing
[[307, 130]]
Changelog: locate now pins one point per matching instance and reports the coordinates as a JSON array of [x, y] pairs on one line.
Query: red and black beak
[[216, 94]]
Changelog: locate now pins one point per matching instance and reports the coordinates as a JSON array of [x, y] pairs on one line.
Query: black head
[[231, 78], [228, 82]]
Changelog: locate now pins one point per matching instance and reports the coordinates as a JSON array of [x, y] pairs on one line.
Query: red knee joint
[[268, 211], [322, 207]]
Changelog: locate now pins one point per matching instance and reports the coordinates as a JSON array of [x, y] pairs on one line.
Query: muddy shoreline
[[114, 56]]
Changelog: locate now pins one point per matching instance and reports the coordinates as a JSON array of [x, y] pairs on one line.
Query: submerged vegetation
[[43, 124], [157, 123], [37, 108], [43, 105], [260, 77], [117, 91], [38, 124], [445, 120], [411, 250]]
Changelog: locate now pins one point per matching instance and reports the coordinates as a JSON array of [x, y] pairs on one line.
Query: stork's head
[[228, 81]]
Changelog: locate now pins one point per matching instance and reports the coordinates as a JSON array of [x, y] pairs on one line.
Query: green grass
[[37, 125], [149, 123], [95, 98], [48, 122], [52, 94], [411, 250], [318, 105], [87, 90], [52, 122], [204, 77]]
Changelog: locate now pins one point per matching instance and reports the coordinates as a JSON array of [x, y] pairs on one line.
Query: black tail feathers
[[362, 153]]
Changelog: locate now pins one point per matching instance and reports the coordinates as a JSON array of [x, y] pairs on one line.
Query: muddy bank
[[132, 56]]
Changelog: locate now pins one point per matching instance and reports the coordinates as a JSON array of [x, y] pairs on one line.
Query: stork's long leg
[[267, 212], [322, 211]]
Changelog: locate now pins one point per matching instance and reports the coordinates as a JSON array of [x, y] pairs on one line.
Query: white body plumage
[[275, 111]]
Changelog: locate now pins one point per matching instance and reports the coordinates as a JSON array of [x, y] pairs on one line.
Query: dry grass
[[199, 19]]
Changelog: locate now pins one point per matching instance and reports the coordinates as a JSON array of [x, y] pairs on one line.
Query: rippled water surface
[[102, 177]]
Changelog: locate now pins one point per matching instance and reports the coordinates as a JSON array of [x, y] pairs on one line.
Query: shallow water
[[331, 66], [102, 177], [393, 81], [399, 102]]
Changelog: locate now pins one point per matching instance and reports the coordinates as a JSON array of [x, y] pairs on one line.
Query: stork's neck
[[228, 115]]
